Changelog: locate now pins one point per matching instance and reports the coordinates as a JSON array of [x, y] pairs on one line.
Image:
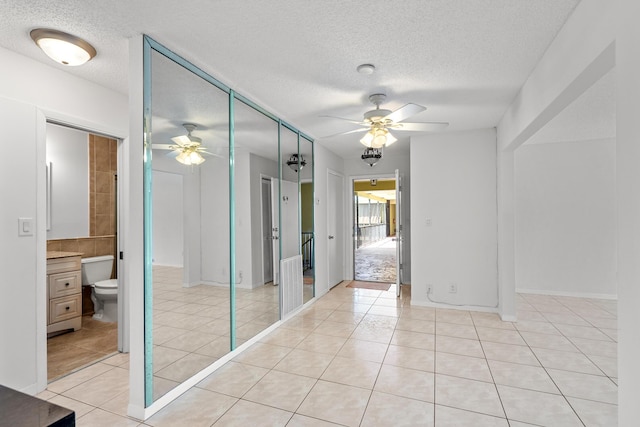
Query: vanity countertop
[[60, 254]]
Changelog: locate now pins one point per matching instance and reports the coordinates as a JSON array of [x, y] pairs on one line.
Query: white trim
[[455, 307], [345, 227], [41, 257], [567, 294]]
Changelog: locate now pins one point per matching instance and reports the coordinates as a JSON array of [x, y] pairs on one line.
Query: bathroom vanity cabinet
[[64, 291]]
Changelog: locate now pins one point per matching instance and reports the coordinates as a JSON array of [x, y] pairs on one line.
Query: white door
[[286, 234], [267, 232], [398, 232], [335, 228]]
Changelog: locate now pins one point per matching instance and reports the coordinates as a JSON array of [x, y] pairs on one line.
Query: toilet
[[96, 272]]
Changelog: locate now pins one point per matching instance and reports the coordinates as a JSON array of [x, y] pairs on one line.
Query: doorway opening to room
[[84, 291], [375, 224]]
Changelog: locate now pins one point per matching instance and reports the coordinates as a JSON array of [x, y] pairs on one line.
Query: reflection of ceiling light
[[371, 156], [293, 162], [62, 47], [378, 137], [189, 156], [366, 69]]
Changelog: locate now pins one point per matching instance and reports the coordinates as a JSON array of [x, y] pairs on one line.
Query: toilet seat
[[107, 284]]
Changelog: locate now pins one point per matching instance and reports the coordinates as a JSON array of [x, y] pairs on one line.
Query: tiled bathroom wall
[[103, 167]]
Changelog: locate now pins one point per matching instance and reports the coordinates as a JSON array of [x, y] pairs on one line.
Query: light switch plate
[[25, 226]]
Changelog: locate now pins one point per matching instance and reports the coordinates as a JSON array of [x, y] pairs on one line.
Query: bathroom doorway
[[84, 322]]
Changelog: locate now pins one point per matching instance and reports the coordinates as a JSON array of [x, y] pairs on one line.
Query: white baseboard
[[422, 303], [567, 294]]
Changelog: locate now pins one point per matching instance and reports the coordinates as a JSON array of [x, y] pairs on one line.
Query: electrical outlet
[[453, 288]]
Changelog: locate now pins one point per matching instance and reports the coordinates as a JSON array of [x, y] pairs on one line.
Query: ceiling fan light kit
[[371, 155], [187, 149], [294, 161]]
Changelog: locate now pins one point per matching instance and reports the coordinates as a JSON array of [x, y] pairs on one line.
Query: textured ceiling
[[463, 59]]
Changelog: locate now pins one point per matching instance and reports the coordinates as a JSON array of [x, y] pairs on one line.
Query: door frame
[[350, 232], [266, 180], [343, 232]]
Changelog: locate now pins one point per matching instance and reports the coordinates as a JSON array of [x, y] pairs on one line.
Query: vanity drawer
[[65, 308], [63, 284], [58, 265]]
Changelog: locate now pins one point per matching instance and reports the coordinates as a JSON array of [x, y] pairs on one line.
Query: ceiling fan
[[187, 149], [378, 123]]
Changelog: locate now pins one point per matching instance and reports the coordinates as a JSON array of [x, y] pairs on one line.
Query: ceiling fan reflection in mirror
[[187, 149], [378, 123]]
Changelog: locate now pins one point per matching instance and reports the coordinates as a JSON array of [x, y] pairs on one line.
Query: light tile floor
[[376, 262], [337, 364]]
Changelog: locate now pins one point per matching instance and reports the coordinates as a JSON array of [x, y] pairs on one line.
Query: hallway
[[376, 262]]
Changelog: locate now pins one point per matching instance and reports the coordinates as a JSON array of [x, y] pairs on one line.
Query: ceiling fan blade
[[173, 154], [348, 132], [211, 154], [342, 118], [420, 127], [405, 112], [181, 140], [162, 146]]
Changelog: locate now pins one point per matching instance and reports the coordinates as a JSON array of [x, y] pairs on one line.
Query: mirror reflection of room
[[82, 289]]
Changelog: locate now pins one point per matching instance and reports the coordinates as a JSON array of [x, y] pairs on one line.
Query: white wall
[[168, 235], [566, 218], [356, 168], [628, 193], [454, 185], [68, 153], [35, 87]]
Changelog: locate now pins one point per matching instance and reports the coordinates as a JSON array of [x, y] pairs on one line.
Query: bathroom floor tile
[[196, 407], [101, 388]]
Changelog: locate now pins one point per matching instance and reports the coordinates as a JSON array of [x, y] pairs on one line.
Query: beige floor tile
[[165, 356], [102, 388], [587, 332], [190, 341], [233, 379], [363, 350], [566, 360], [100, 418], [263, 355], [595, 413], [335, 329], [596, 348], [322, 343], [335, 403], [414, 339], [379, 322], [306, 363], [452, 417], [185, 368], [468, 394], [353, 372], [490, 320], [46, 395], [70, 381], [553, 342], [354, 307], [78, 407], [196, 407], [405, 382], [218, 347], [419, 313], [408, 357], [509, 353], [385, 311], [367, 332], [302, 421], [537, 408], [565, 318], [280, 390], [120, 359], [346, 317], [460, 317], [585, 386], [389, 410], [456, 330], [246, 413], [303, 323], [461, 346], [522, 376], [285, 337], [539, 327], [462, 366], [500, 336], [416, 325], [608, 365]]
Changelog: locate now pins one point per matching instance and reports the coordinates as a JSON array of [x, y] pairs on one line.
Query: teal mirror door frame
[[151, 47]]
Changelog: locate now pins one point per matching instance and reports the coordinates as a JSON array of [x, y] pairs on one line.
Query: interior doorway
[[376, 229], [267, 232], [83, 219]]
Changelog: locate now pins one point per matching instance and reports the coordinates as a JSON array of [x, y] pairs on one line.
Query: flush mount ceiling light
[[366, 69], [371, 156], [62, 47], [293, 162]]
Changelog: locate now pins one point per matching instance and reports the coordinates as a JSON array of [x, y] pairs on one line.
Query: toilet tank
[[96, 268]]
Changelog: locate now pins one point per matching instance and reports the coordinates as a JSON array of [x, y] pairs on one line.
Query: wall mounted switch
[[25, 226]]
